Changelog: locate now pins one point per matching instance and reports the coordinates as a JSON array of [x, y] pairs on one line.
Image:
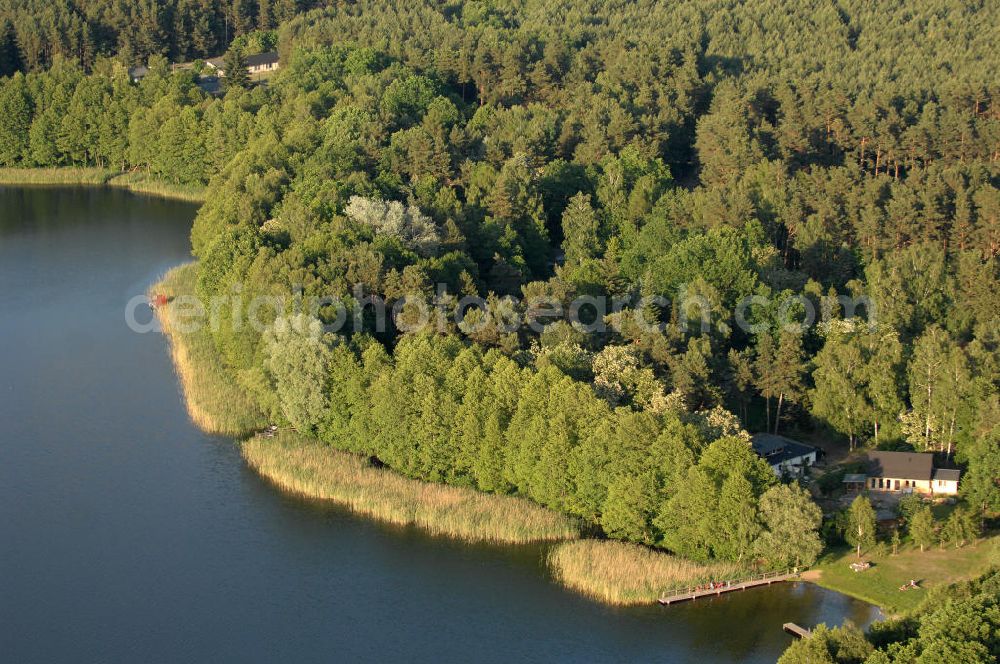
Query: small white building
[[787, 457]]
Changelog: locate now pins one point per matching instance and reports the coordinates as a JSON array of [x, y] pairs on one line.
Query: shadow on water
[[126, 534]]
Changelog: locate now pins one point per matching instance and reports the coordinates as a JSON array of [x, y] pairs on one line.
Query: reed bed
[[62, 175], [143, 184], [213, 397], [627, 574], [69, 175], [309, 468]]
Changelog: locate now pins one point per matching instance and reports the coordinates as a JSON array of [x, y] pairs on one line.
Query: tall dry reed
[[623, 574], [61, 175], [309, 468], [214, 399]]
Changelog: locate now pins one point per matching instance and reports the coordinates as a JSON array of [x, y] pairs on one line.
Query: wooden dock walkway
[[796, 630], [686, 594]]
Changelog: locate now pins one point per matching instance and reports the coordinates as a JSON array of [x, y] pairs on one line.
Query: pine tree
[[766, 378], [739, 381], [580, 230], [15, 120], [235, 67], [789, 368]]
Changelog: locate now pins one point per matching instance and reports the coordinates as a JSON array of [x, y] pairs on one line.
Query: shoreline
[[619, 573], [312, 470], [213, 401], [815, 577], [612, 572], [136, 183], [307, 468]]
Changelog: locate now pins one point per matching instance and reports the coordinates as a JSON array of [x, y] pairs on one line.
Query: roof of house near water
[[777, 449], [901, 465]]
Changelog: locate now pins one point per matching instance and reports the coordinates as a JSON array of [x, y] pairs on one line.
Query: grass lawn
[[880, 584]]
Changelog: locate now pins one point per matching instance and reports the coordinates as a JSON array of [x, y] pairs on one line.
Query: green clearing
[[880, 584]]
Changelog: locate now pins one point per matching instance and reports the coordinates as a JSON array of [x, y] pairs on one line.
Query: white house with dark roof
[[787, 457], [909, 472], [259, 63]]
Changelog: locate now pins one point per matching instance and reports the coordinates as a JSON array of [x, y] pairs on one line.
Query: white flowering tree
[[392, 218], [620, 378]]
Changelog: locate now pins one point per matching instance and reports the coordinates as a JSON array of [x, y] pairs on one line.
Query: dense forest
[[519, 150], [34, 33]]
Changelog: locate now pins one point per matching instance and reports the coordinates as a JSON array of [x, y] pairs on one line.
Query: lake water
[[128, 535]]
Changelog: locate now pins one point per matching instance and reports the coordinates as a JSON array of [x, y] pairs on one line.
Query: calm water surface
[[128, 535]]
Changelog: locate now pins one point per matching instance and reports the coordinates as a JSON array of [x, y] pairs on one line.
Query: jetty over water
[[796, 630], [713, 589]]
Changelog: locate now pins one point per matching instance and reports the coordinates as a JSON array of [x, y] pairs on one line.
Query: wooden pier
[[796, 630], [686, 594]]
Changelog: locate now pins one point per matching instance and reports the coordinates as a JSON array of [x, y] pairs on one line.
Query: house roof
[[855, 478], [216, 63], [901, 465], [262, 59], [777, 449], [947, 474]]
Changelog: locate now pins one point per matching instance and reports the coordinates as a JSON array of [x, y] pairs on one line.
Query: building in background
[[787, 457], [257, 65]]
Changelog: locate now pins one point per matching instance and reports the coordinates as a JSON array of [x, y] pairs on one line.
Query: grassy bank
[[311, 469], [214, 400], [135, 182], [880, 584], [624, 574]]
